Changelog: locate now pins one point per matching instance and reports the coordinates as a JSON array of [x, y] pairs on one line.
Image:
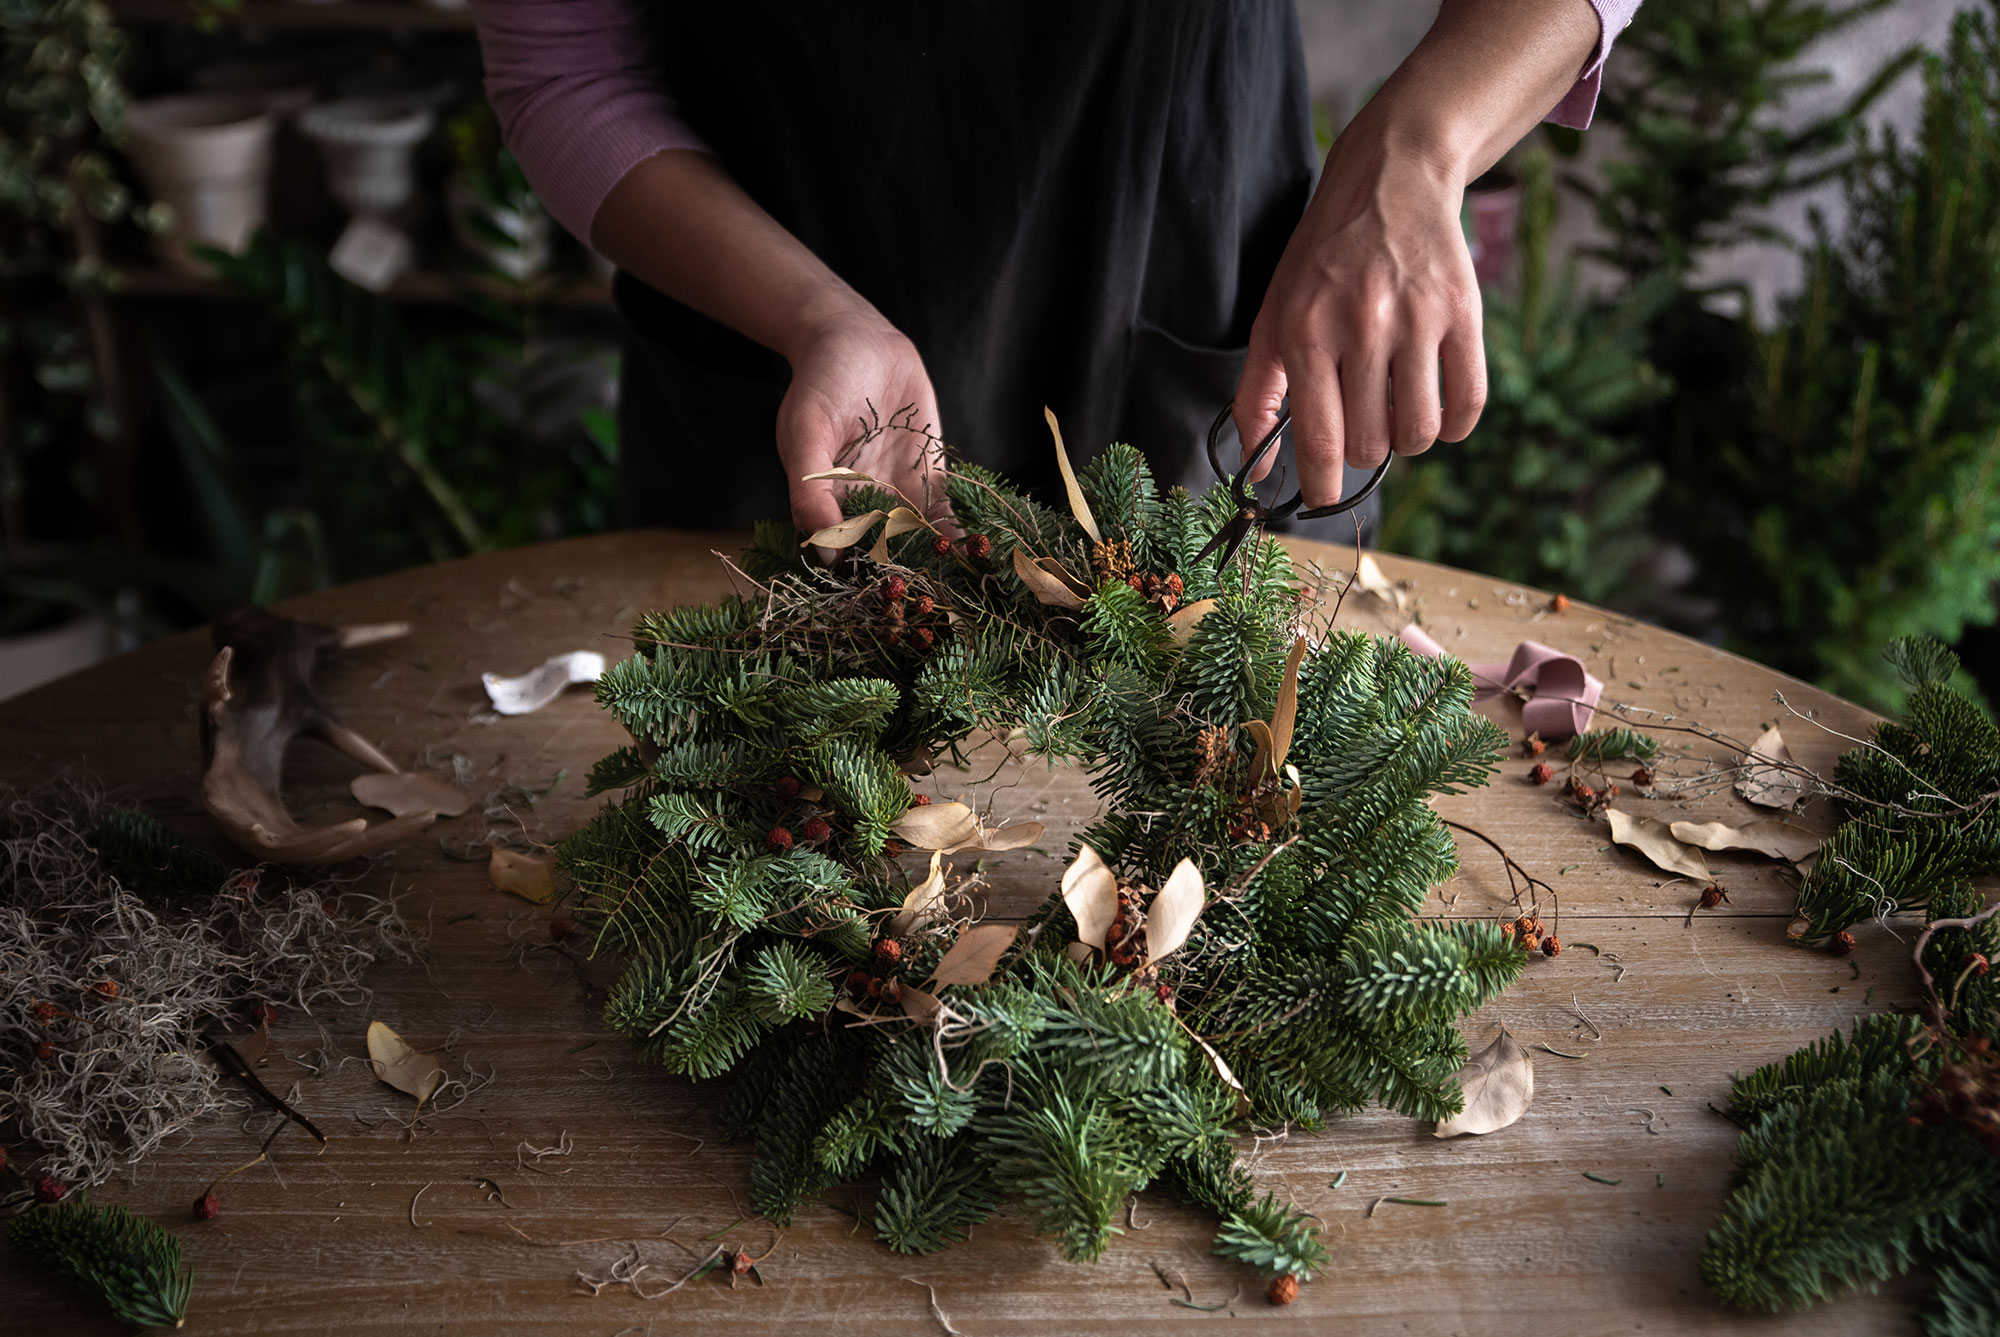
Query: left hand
[[1372, 322]]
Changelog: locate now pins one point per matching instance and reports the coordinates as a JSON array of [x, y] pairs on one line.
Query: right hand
[[848, 373]]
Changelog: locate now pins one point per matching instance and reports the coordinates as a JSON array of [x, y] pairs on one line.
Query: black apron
[[1068, 204]]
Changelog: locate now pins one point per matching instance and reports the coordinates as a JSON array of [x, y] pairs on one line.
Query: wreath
[[1235, 941]]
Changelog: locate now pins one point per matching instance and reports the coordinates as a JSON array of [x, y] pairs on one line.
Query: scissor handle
[[1290, 508]]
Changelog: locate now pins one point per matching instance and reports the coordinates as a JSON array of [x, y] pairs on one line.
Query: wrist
[[838, 312], [1422, 144]]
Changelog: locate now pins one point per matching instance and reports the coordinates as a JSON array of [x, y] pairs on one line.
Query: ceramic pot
[[207, 157], [525, 252], [369, 145], [33, 658]]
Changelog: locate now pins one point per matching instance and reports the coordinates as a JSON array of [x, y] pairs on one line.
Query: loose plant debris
[[1597, 1178], [93, 1080], [408, 792], [1780, 840], [1770, 779], [529, 876], [1498, 1085], [1655, 839], [399, 1065], [543, 683]]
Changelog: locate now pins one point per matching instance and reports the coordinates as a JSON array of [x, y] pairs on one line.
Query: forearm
[[680, 222], [1483, 76]]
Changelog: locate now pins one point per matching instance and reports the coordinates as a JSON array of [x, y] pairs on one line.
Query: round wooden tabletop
[[1635, 1028]]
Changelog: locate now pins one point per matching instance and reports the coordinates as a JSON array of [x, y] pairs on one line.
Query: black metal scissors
[[1249, 514]]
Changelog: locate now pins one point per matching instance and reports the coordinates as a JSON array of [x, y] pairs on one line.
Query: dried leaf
[[1768, 786], [925, 903], [1047, 587], [1368, 576], [1499, 1085], [902, 520], [972, 958], [937, 826], [406, 792], [1173, 911], [402, 1067], [528, 876], [845, 534], [1018, 836], [1287, 712], [1078, 507], [1220, 1065], [1261, 768], [1182, 622], [1090, 890], [1654, 839], [838, 476], [1078, 952], [920, 1007], [1766, 835], [250, 1046], [543, 683]]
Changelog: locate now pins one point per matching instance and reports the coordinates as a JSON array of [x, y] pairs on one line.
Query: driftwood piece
[[256, 697]]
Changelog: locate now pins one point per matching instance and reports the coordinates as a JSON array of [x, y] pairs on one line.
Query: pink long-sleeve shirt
[[581, 102]]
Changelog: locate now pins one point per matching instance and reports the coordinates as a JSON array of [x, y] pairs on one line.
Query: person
[[943, 217]]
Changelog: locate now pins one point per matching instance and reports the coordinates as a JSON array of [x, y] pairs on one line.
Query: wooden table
[[319, 1244]]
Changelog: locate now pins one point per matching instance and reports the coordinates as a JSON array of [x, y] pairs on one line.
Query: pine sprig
[[128, 1263]]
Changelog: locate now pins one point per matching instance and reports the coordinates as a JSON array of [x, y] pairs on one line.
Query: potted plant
[[493, 211]]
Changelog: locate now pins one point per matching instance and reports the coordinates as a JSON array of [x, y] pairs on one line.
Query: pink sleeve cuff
[[1580, 102], [578, 96]]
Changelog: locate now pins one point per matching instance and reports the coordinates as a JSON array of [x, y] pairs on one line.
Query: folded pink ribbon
[[1558, 698]]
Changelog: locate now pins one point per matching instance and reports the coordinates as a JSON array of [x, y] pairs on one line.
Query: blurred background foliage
[[1802, 486]]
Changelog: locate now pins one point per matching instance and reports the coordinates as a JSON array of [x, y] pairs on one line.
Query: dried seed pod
[[1541, 773], [922, 638], [1713, 895], [857, 983], [816, 830], [1642, 778], [786, 787], [1552, 946], [922, 800], [889, 950], [892, 848], [779, 841], [206, 1206], [978, 546], [894, 588], [45, 1051], [1559, 604], [105, 988], [1174, 585], [941, 546], [1284, 1289], [49, 1189], [47, 1011], [266, 1015], [1533, 746], [1842, 943], [1531, 942], [924, 605]]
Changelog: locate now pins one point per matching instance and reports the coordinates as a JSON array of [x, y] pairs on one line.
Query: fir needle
[[1597, 1178]]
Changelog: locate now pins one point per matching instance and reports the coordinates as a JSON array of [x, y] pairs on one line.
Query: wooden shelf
[[152, 281], [366, 15]]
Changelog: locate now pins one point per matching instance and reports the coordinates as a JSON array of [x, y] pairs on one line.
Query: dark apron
[[1068, 204]]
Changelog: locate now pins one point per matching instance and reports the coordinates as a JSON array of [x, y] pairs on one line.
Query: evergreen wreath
[[1237, 938]]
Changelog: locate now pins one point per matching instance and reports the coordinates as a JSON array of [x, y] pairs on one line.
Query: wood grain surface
[[1525, 1243]]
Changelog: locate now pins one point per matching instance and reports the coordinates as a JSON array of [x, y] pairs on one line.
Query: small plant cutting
[[1233, 941]]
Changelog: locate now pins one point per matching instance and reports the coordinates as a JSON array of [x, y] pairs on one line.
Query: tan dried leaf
[[528, 876], [972, 958], [1654, 839], [1220, 1065], [1261, 768], [402, 1067], [920, 1007], [1018, 836], [1078, 507], [937, 826], [1766, 835], [1090, 890], [845, 534], [839, 476], [1182, 622], [1499, 1085], [902, 520], [1369, 579], [406, 792], [925, 903], [1045, 585], [1174, 909], [1769, 786], [250, 1046], [1078, 952], [1286, 715]]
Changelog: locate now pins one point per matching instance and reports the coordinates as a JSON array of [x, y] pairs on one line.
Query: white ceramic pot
[[370, 149], [528, 233], [207, 157], [30, 660]]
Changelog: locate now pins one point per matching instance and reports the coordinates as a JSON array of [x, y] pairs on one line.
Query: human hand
[[849, 372], [1372, 321]]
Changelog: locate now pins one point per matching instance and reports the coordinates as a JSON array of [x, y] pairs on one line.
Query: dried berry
[[978, 546], [779, 841], [1125, 953], [921, 638], [1583, 792], [894, 588], [1174, 585], [889, 950], [1842, 943], [45, 1051], [1533, 746], [786, 787], [105, 988], [266, 1015], [1164, 992], [892, 989], [1541, 773], [1138, 583], [892, 848], [941, 546], [561, 930], [1559, 604], [1284, 1289], [1978, 966], [1713, 895], [1552, 946], [50, 1189], [47, 1012], [1506, 930], [740, 1262], [1642, 778], [205, 1207], [816, 830], [857, 983], [1531, 941], [924, 605], [922, 800]]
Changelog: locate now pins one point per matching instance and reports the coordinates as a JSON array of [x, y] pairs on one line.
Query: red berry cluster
[[1529, 935], [1592, 800], [902, 625], [879, 978]]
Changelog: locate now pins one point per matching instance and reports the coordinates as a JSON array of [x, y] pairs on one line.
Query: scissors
[[1249, 514]]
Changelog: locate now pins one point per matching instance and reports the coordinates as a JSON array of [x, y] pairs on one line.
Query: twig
[[414, 1224], [231, 1062], [936, 1312], [1585, 1020]]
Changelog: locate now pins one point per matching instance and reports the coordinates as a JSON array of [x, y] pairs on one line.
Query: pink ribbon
[[1558, 697]]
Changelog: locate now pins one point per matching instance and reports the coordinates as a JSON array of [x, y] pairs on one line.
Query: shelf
[[148, 281], [368, 15]]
